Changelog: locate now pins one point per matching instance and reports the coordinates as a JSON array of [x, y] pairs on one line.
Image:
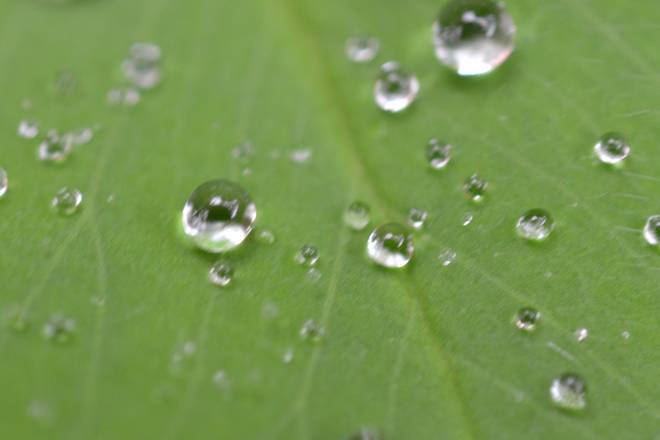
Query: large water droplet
[[438, 153], [475, 187], [417, 217], [308, 255], [362, 49], [219, 215], [221, 273], [612, 148], [55, 148], [357, 215], [652, 230], [28, 129], [535, 224], [67, 200], [473, 37], [141, 67], [59, 329], [4, 182], [569, 391], [396, 88], [390, 245], [312, 331], [527, 318]]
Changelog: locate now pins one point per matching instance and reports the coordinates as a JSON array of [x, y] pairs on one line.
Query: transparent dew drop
[[141, 67], [527, 318], [219, 215], [81, 136], [243, 152], [41, 412], [612, 148], [54, 147], [301, 156], [438, 153], [390, 245], [447, 256], [67, 200], [67, 83], [288, 356], [417, 217], [652, 230], [28, 129], [366, 434], [15, 318], [4, 182], [569, 391], [395, 88], [357, 215], [59, 329], [625, 335], [307, 255], [266, 237], [581, 334], [312, 331], [314, 275], [362, 49], [144, 54], [221, 273], [534, 225], [221, 380], [467, 219], [473, 37], [475, 187], [129, 97]]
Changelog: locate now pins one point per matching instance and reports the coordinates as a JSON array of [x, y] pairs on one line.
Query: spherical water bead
[[28, 129], [308, 255], [581, 334], [612, 148], [221, 273], [417, 217], [396, 88], [219, 215], [447, 256], [467, 219], [67, 83], [141, 68], [312, 331], [535, 224], [357, 215], [128, 97], [67, 200], [652, 230], [473, 37], [527, 318], [362, 49], [437, 153], [81, 136], [4, 182], [569, 391], [390, 245], [55, 148], [266, 237], [59, 329], [475, 187]]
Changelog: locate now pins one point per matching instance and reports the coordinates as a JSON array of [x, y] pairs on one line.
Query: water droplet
[[288, 356], [59, 329], [4, 182], [652, 230], [243, 152], [221, 273], [473, 37], [301, 156], [357, 215], [189, 348], [438, 153], [67, 83], [314, 275], [266, 237], [41, 412], [390, 245], [15, 318], [221, 380], [312, 331], [81, 135], [581, 334], [417, 217], [128, 96], [612, 148], [141, 67], [307, 255], [396, 88], [527, 318], [535, 224], [269, 310], [67, 200], [475, 187], [219, 215], [28, 129], [362, 49], [27, 104], [447, 256], [366, 434], [569, 391], [55, 148], [625, 335], [467, 218]]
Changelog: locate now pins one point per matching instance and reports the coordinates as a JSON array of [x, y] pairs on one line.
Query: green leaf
[[425, 352]]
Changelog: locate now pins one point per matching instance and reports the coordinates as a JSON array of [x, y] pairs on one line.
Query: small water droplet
[[221, 273], [67, 83], [362, 49], [55, 148], [625, 335], [247, 172], [467, 218], [243, 152], [581, 334], [266, 236], [111, 198], [307, 255], [129, 97], [41, 412], [390, 245], [28, 129], [141, 67], [527, 318], [288, 356], [59, 329], [98, 301], [4, 182], [612, 148], [475, 187], [67, 200], [189, 348], [366, 434], [27, 104], [652, 230], [357, 215], [396, 88], [438, 153], [417, 217], [314, 275], [81, 136], [312, 331], [301, 156], [269, 310], [447, 256], [221, 380], [569, 391], [15, 318], [473, 37], [535, 224], [219, 215]]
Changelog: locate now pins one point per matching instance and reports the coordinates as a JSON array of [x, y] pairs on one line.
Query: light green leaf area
[[426, 352]]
